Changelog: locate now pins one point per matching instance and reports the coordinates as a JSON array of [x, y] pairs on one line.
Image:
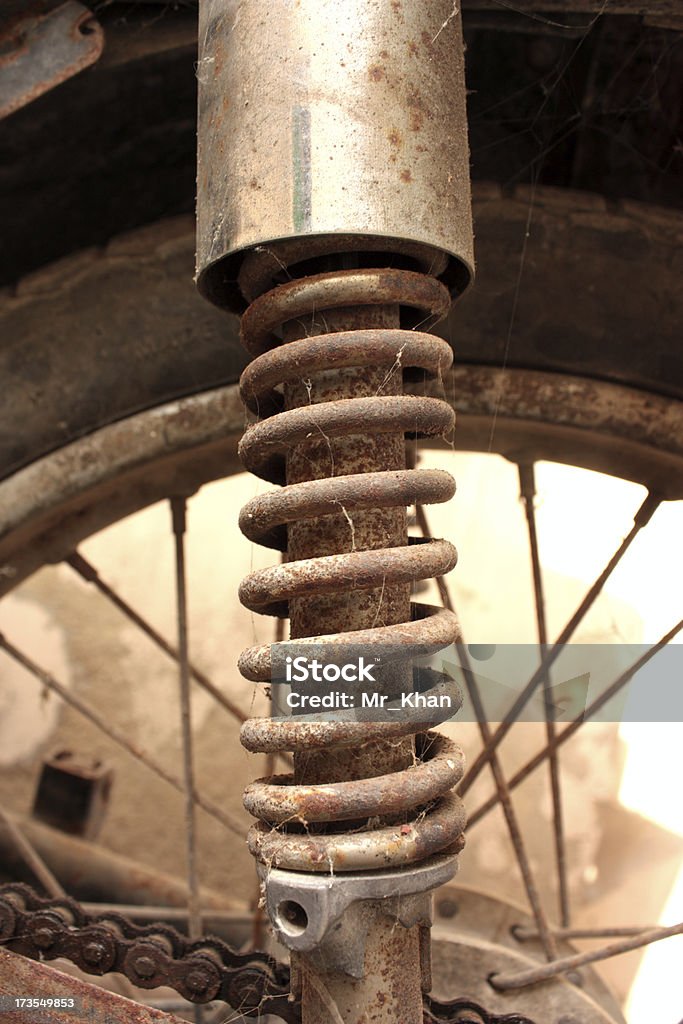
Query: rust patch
[[406, 176], [418, 111], [395, 138], [428, 43], [376, 73]]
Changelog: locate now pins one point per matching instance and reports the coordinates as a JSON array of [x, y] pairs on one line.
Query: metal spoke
[[577, 722], [179, 520], [31, 857], [642, 517], [523, 934], [87, 571], [502, 790], [258, 932], [533, 975], [527, 487], [116, 735]]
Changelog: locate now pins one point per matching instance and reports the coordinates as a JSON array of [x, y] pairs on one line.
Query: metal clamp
[[326, 913]]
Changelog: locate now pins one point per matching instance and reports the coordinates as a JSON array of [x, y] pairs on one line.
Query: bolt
[[197, 980], [45, 937], [94, 953], [144, 966]]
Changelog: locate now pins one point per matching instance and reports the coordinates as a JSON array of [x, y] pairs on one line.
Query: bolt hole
[[481, 652], [517, 933], [87, 28], [292, 917], [491, 978], [447, 907]]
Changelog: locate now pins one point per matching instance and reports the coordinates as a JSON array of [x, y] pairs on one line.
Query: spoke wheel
[[103, 468]]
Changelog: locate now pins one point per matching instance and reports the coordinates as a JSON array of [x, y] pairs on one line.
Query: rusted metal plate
[[21, 977], [42, 51]]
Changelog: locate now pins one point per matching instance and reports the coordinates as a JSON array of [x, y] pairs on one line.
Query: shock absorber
[[333, 203]]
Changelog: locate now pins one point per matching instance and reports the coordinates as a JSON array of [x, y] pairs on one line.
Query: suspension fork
[[334, 214]]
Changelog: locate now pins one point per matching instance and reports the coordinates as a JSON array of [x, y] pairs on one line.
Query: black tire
[[593, 292]]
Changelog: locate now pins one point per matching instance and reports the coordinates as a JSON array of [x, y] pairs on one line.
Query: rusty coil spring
[[424, 789]]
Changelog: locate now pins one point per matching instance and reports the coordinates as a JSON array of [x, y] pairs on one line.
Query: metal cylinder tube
[[339, 123]]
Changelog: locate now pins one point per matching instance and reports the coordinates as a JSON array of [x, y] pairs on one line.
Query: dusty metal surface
[[270, 591], [432, 626], [319, 922], [366, 131], [474, 935], [440, 766], [266, 443], [358, 288], [18, 975], [262, 519], [371, 850], [45, 49], [419, 352]]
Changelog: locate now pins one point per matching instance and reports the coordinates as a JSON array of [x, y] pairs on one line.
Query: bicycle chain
[[153, 955], [148, 955], [465, 1011]]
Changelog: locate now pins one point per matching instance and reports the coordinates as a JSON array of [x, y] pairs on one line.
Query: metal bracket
[[325, 915], [44, 50]]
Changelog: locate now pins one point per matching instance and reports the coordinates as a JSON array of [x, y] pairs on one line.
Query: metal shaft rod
[[179, 517], [116, 735], [642, 517], [520, 979], [527, 486], [577, 722], [31, 857], [391, 986], [515, 833]]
